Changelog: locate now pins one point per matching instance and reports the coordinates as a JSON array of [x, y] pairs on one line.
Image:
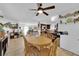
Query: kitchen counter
[[2, 38]]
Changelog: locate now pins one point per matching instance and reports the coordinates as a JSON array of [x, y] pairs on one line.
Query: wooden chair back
[[29, 49]]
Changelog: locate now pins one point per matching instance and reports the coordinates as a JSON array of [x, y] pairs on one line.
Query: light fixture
[[53, 18], [40, 11]]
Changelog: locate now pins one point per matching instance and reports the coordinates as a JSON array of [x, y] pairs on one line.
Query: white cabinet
[[70, 42]]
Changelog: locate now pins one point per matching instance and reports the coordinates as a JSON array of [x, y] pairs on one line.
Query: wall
[[70, 42], [25, 26]]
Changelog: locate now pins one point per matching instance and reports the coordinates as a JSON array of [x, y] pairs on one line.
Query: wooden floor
[[16, 48]]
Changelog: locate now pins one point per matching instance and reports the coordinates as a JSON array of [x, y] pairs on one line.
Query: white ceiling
[[20, 12]]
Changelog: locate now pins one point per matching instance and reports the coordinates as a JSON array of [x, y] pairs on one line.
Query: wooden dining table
[[38, 40], [41, 42]]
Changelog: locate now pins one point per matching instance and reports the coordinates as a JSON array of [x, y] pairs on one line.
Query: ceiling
[[19, 12]]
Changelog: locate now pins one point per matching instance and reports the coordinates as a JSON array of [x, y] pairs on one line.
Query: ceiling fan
[[41, 10]]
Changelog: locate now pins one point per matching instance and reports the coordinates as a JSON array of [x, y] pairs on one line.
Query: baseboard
[[70, 51]]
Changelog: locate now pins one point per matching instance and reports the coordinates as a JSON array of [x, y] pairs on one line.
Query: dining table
[[38, 40], [39, 43]]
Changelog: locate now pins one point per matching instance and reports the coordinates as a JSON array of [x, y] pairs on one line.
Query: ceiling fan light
[[40, 11]]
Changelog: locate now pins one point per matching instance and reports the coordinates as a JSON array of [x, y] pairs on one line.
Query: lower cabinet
[[0, 49], [3, 46]]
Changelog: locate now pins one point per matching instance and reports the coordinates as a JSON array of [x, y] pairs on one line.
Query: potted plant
[[2, 33]]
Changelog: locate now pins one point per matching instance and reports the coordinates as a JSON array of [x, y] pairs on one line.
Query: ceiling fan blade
[[47, 8], [33, 9], [45, 13], [37, 14], [39, 4]]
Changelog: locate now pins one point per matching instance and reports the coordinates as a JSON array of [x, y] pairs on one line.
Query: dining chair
[[45, 50], [32, 51], [29, 49], [54, 47]]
